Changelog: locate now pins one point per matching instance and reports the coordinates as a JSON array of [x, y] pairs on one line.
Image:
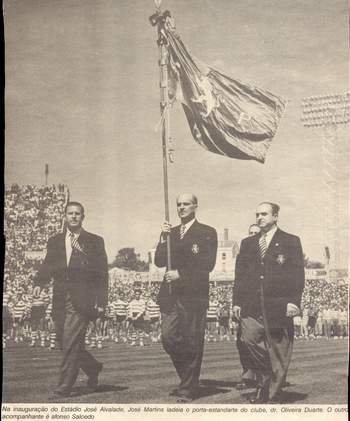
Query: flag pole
[[164, 109], [46, 173], [158, 19]]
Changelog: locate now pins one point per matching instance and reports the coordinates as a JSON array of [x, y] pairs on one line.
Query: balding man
[[183, 296], [269, 282]]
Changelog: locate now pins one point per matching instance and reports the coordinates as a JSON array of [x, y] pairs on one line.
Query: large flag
[[226, 116]]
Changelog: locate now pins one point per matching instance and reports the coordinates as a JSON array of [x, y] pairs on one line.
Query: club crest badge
[[195, 249], [280, 259]]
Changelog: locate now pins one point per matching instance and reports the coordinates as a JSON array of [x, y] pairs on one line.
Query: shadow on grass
[[216, 383], [213, 387], [292, 397], [283, 398], [102, 388]]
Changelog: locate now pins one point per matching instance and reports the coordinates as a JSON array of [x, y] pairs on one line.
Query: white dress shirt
[[269, 235], [69, 243], [188, 225]]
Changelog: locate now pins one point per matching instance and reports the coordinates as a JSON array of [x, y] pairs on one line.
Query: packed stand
[[324, 310], [32, 214]]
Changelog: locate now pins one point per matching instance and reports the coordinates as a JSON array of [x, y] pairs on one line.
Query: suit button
[[262, 277], [262, 263]]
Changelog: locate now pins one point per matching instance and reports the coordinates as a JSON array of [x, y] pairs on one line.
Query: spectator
[[304, 322], [327, 322], [313, 314]]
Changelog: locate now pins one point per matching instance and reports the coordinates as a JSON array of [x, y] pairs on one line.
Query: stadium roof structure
[[318, 111]]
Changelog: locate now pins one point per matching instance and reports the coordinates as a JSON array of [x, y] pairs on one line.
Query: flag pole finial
[[158, 3]]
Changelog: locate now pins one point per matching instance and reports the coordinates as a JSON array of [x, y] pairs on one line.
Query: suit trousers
[[248, 375], [183, 329], [71, 329], [269, 361]]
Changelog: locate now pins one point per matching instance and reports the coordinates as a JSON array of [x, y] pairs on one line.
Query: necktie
[[262, 246], [74, 243], [182, 231]]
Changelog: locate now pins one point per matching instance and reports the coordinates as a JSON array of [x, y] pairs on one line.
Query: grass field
[[317, 375]]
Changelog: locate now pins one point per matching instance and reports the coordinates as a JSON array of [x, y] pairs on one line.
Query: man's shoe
[[277, 399], [92, 382], [246, 384], [184, 398], [174, 392], [261, 396], [241, 386], [57, 394]]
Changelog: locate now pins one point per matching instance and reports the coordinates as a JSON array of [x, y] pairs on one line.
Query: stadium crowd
[[35, 213], [324, 310], [32, 214]]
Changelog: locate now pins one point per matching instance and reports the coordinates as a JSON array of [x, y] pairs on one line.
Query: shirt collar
[[269, 234], [76, 234], [188, 224]]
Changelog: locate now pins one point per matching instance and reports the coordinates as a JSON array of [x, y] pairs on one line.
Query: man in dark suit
[[248, 376], [183, 296], [269, 282], [76, 261]]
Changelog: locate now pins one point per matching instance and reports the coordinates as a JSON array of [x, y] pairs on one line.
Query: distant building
[[332, 275]]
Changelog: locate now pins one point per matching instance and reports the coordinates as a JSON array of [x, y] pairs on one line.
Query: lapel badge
[[195, 249], [276, 244], [280, 259]]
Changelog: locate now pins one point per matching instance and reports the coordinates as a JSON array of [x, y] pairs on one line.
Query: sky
[[82, 94]]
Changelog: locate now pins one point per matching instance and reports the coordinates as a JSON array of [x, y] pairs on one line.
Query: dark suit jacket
[[85, 278], [281, 273], [194, 257]]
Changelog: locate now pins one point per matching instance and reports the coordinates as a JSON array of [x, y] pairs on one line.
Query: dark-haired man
[[76, 261], [254, 229], [269, 282], [183, 296], [248, 376]]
